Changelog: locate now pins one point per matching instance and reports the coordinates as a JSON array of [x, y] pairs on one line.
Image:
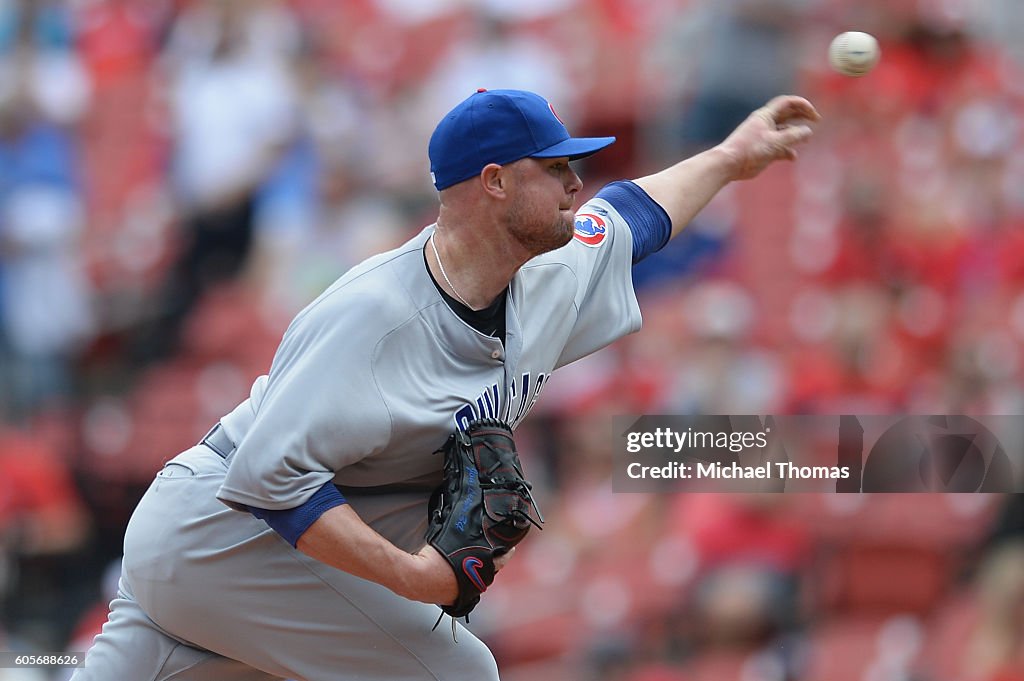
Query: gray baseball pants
[[212, 594]]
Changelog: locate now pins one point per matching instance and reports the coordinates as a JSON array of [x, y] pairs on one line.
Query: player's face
[[540, 215]]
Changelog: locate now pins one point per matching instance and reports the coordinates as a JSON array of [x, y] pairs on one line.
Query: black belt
[[217, 440]]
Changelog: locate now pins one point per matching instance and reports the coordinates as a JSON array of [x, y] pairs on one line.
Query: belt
[[217, 440]]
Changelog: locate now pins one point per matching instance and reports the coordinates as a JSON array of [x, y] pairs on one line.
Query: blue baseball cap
[[501, 126]]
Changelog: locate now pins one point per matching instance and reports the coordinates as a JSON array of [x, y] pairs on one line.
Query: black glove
[[482, 509]]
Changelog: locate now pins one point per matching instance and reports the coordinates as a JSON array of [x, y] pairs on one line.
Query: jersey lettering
[[488, 404], [541, 380], [522, 405], [463, 417], [492, 410]]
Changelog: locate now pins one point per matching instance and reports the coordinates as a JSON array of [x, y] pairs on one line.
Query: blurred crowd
[[179, 177]]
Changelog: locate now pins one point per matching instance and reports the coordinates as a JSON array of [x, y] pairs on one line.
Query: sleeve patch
[[590, 229]]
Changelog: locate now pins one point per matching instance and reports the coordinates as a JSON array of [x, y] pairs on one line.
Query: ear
[[494, 180]]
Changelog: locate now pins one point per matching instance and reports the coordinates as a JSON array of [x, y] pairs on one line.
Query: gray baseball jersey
[[367, 383], [372, 376]]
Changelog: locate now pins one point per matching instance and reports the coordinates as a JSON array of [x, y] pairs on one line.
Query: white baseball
[[853, 53]]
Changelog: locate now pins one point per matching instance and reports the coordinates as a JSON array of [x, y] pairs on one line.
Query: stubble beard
[[539, 240]]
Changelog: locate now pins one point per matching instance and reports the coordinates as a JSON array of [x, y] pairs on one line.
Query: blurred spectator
[[304, 247], [38, 60], [117, 42], [723, 372], [1010, 522], [324, 208], [45, 312], [995, 649], [498, 53], [1002, 20], [42, 520], [233, 105], [729, 58], [752, 557]]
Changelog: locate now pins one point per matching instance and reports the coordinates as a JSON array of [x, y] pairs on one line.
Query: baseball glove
[[482, 509]]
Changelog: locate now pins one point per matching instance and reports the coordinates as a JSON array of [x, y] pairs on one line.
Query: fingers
[[791, 136], [770, 134], [782, 142], [500, 561], [789, 107]]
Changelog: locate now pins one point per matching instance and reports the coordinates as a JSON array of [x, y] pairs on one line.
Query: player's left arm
[[769, 134]]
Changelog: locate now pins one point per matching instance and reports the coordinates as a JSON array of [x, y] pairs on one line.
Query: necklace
[[444, 274]]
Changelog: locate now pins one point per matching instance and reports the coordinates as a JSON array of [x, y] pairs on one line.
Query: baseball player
[[289, 543]]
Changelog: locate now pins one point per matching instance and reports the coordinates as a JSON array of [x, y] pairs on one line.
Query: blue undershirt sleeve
[[291, 523], [648, 221]]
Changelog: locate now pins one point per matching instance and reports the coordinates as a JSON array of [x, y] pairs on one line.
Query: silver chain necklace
[[444, 274]]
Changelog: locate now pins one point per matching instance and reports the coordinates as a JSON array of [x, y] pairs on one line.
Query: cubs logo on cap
[[590, 229], [555, 113]]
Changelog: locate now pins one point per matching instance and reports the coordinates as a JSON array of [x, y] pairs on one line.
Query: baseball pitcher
[[372, 476]]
